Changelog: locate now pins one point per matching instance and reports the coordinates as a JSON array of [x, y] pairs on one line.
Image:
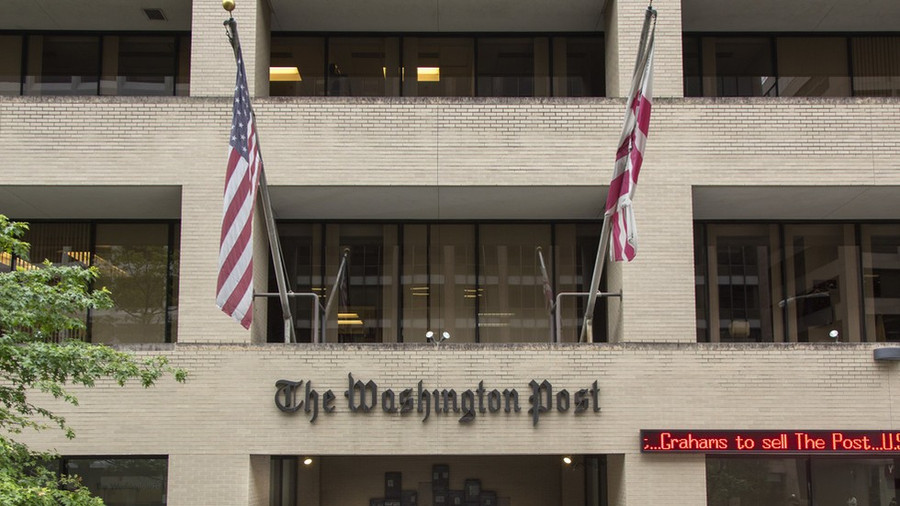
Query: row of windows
[[414, 66], [481, 282], [797, 282], [453, 66], [802, 481], [138, 263], [76, 64], [719, 65], [484, 282], [121, 481]]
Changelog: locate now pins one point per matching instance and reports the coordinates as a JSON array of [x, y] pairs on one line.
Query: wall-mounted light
[[284, 74], [429, 337], [307, 461]]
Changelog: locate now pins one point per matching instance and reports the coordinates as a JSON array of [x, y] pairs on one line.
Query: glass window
[[738, 67], [307, 56], [513, 67], [512, 305], [139, 65], [122, 481], [438, 67], [183, 77], [303, 262], [876, 66], [62, 65], [863, 482], [363, 66], [881, 281], [700, 284], [820, 266], [133, 260], [693, 85], [440, 290], [757, 481], [578, 67], [813, 67], [10, 64]]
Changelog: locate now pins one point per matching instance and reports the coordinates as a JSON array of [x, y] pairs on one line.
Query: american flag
[[629, 158], [234, 291]]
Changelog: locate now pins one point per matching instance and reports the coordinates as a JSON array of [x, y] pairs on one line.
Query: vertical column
[[624, 19], [658, 286], [260, 475], [679, 479], [208, 479], [201, 224], [262, 256], [212, 59]]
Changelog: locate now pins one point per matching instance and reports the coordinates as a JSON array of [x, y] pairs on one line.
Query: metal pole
[[558, 306], [334, 289], [548, 288], [316, 308], [588, 327]]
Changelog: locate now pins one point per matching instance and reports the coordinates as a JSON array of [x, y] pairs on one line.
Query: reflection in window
[[133, 260], [138, 263], [819, 290], [62, 65], [307, 56], [480, 282], [881, 281], [807, 66], [513, 67], [122, 481], [364, 66], [876, 66], [756, 481], [438, 67], [801, 481], [579, 69], [812, 67], [142, 65], [10, 64]]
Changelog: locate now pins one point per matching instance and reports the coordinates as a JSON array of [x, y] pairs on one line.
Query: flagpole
[[641, 60], [268, 213]]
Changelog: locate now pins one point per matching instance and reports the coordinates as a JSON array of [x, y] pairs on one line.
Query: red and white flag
[[234, 290], [629, 157]]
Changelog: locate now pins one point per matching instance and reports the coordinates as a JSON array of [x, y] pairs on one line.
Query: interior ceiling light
[[155, 14], [284, 74], [429, 74]]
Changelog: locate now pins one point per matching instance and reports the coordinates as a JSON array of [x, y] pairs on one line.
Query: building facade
[[450, 149]]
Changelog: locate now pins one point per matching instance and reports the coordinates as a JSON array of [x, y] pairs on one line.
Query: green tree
[[38, 308]]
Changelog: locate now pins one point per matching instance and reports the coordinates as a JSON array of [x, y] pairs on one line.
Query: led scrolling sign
[[762, 442]]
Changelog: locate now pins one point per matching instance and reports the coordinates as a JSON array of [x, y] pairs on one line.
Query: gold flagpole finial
[[228, 5]]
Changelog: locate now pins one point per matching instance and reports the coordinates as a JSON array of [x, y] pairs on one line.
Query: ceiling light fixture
[[284, 74]]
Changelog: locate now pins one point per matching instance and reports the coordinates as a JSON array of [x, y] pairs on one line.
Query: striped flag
[[629, 158], [234, 290]]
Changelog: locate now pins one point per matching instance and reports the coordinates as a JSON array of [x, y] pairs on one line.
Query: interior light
[[350, 322], [349, 316], [567, 460], [429, 74], [284, 74], [307, 461]]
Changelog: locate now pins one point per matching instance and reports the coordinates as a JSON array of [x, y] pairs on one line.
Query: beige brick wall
[[225, 412]]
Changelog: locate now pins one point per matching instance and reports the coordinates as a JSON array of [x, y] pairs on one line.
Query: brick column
[[223, 480], [624, 19], [212, 59]]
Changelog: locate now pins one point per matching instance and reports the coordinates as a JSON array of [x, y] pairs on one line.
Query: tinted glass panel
[[438, 67], [881, 281], [514, 67], [10, 64], [691, 62], [757, 482], [133, 260], [123, 481], [578, 67], [307, 56], [876, 66], [363, 66], [813, 67], [860, 482], [62, 65], [742, 66], [137, 65]]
